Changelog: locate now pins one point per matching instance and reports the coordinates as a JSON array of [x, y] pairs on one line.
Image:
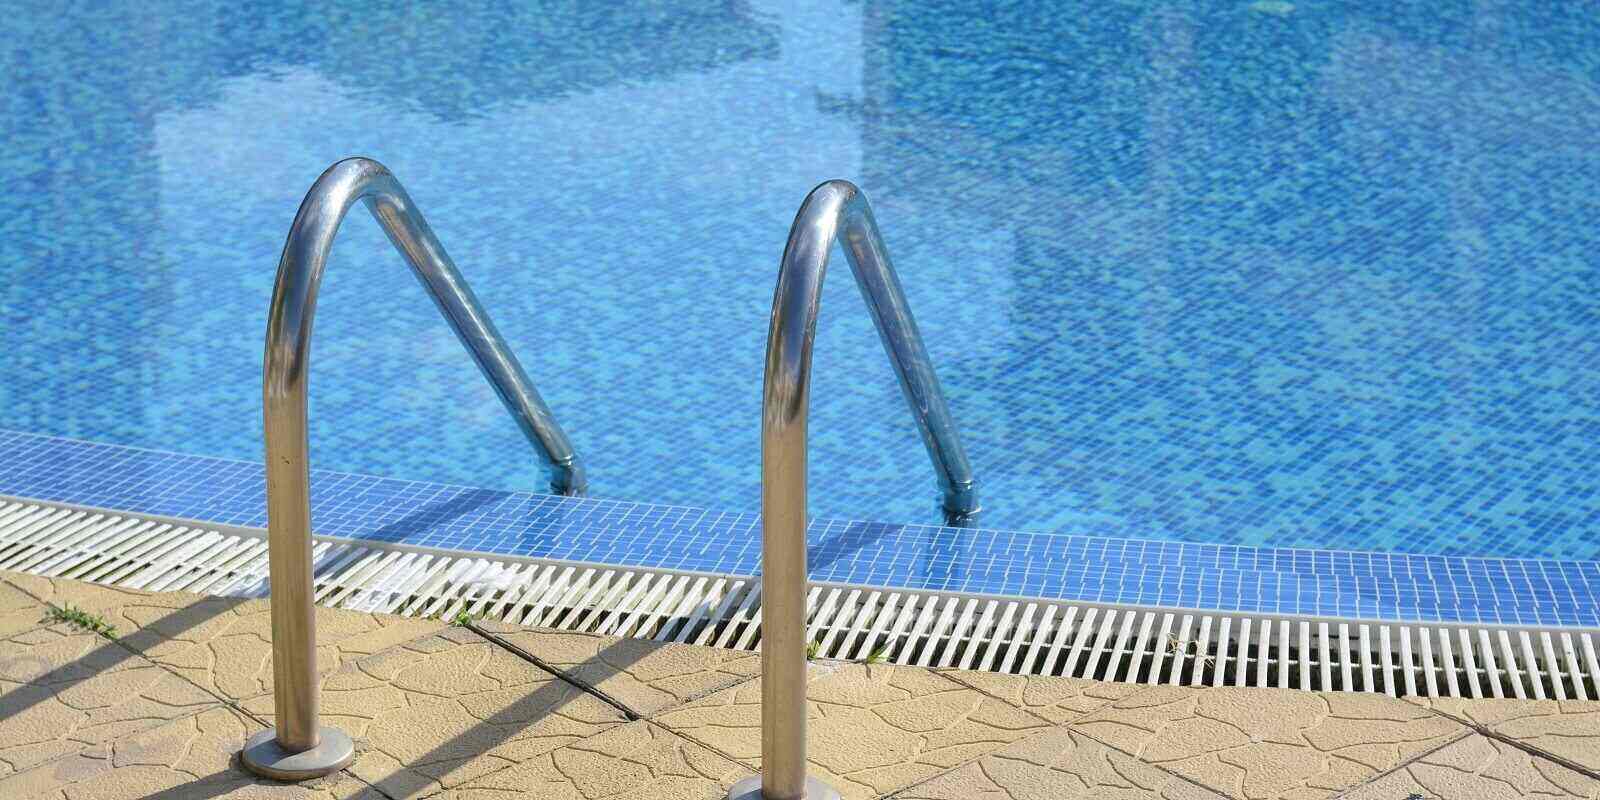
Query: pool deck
[[159, 710]]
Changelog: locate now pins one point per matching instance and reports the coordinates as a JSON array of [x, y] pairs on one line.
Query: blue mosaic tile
[[1214, 577], [1280, 275]]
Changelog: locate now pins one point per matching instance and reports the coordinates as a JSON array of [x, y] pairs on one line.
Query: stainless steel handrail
[[299, 748], [836, 210]]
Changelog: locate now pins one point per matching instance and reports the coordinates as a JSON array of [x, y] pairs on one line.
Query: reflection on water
[[1289, 273]]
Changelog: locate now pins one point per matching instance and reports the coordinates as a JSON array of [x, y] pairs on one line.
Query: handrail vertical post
[[834, 211], [299, 747]]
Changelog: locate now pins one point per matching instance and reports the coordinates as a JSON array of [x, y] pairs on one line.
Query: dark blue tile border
[[1057, 566]]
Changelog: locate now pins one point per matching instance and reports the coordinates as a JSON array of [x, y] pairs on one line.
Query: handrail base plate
[[263, 756], [750, 789]]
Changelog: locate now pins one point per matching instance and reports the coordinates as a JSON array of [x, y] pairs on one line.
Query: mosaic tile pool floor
[[1308, 274], [1214, 577]]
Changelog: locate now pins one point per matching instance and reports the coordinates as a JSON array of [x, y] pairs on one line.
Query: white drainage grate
[[933, 629]]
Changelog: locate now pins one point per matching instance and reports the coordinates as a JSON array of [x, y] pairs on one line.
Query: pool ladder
[[836, 211], [299, 748]]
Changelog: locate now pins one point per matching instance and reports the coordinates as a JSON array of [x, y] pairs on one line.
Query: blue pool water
[[1294, 274]]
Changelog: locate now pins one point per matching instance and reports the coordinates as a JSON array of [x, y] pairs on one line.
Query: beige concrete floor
[[159, 710]]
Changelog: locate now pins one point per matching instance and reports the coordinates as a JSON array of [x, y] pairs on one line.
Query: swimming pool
[[1256, 273]]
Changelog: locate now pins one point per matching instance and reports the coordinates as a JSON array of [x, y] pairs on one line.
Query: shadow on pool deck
[[115, 652]]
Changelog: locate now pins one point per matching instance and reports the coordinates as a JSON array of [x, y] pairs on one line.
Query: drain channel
[[932, 629]]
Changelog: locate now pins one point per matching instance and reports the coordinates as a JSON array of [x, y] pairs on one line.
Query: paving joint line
[[583, 685], [1070, 726], [219, 702], [1489, 733], [696, 697], [1073, 727], [697, 743], [1048, 727], [629, 713], [955, 675], [117, 641], [6, 581], [1450, 742], [1537, 753], [109, 742]]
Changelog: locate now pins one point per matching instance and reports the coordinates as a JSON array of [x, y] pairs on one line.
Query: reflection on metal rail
[[299, 748], [836, 210]]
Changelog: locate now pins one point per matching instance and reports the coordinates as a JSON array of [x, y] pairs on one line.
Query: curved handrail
[[286, 367], [294, 302], [836, 210]]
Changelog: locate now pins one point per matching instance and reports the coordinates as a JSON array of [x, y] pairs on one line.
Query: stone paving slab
[[225, 643], [58, 652], [643, 675], [1056, 699], [1479, 768], [190, 758], [60, 592], [20, 611], [874, 729], [62, 689], [1256, 744], [1566, 728], [636, 761], [1059, 764], [450, 709]]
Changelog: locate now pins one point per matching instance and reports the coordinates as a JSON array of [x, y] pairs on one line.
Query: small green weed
[[461, 619], [812, 650], [83, 619], [879, 654]]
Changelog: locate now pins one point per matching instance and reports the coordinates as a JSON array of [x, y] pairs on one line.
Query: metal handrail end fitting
[[298, 747], [834, 211]]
